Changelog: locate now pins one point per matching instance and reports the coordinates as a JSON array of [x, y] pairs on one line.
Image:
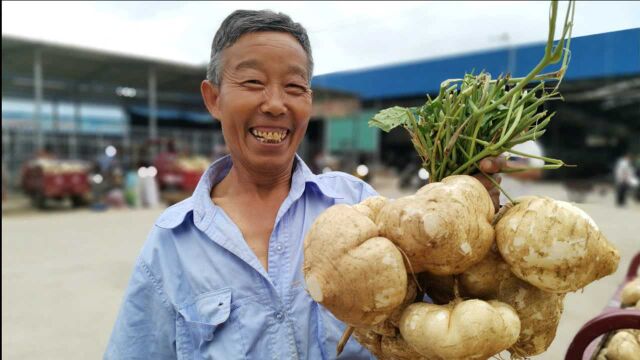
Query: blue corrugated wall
[[610, 54]]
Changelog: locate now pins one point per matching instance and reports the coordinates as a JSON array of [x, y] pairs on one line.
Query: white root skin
[[371, 206], [387, 347], [359, 276], [445, 228], [631, 293], [483, 279], [554, 245], [539, 314], [314, 288], [517, 275], [623, 346], [389, 327], [471, 329], [396, 348], [370, 340]]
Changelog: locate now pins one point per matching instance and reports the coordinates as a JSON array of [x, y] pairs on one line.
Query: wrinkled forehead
[[261, 50], [259, 64]]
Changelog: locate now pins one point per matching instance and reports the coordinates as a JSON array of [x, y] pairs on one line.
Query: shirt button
[[280, 315], [279, 248]]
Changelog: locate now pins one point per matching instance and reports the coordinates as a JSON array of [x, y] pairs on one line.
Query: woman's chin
[[271, 163]]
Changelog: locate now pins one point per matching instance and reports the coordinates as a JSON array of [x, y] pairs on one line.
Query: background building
[[75, 102], [598, 120]]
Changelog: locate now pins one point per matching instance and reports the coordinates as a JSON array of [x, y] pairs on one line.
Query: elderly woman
[[220, 276]]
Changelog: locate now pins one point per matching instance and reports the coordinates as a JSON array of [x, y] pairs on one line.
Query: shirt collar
[[202, 204], [309, 177], [302, 175]]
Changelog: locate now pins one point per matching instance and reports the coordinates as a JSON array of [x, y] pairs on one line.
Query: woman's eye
[[296, 88], [253, 83]]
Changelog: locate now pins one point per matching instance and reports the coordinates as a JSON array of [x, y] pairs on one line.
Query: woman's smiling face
[[263, 101]]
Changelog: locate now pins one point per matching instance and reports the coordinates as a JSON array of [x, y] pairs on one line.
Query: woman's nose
[[274, 102]]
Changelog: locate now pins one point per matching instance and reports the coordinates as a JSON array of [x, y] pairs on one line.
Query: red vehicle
[[177, 175], [44, 179]]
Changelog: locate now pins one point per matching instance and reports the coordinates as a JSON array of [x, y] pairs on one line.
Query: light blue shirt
[[199, 292]]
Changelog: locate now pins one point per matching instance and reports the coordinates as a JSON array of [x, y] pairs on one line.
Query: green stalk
[[477, 116], [506, 120], [495, 183], [546, 60], [520, 140], [511, 129], [481, 142], [546, 159], [526, 168], [472, 160]]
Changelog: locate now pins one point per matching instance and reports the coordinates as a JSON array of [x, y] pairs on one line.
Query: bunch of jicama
[[623, 345], [631, 293], [55, 166], [497, 281], [193, 163]]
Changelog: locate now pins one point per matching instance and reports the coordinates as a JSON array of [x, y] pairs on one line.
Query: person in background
[[518, 184], [132, 193], [220, 275], [625, 178]]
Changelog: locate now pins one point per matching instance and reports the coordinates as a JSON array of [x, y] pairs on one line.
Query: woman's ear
[[210, 95]]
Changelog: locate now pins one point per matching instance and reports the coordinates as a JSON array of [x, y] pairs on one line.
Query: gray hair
[[241, 22]]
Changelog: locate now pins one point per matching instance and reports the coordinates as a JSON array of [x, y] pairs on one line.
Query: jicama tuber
[[444, 228], [539, 313], [357, 275], [471, 329], [554, 245], [631, 293], [623, 346], [396, 348], [387, 347], [371, 206], [389, 327], [483, 279]]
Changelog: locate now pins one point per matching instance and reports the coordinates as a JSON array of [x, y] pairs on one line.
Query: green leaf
[[390, 118]]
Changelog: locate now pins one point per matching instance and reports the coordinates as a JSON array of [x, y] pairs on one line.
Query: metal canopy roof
[[68, 70], [614, 54]]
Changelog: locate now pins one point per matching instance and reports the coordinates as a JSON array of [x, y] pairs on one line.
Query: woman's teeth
[[271, 137]]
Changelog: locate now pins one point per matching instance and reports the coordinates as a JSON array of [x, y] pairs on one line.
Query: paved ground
[[63, 277], [64, 273]]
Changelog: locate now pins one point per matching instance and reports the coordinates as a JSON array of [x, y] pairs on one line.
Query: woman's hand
[[491, 166]]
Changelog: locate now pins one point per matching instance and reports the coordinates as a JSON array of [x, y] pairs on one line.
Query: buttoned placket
[[276, 254], [279, 262], [278, 269]]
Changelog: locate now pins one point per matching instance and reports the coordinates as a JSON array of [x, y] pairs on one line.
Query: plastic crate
[[583, 346]]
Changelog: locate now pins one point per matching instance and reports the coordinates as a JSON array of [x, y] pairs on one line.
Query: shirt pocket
[[207, 317]]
